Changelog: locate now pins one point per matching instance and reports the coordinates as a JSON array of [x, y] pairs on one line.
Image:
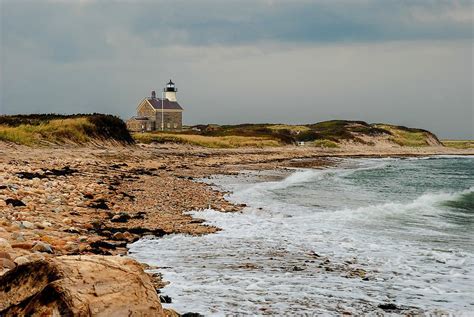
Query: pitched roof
[[167, 104]]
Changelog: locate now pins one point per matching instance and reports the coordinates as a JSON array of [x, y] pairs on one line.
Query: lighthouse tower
[[170, 91]]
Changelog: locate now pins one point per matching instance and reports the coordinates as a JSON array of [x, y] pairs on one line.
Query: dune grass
[[405, 136], [459, 144], [52, 129], [206, 141], [325, 144]]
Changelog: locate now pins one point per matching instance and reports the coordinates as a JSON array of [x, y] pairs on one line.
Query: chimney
[[153, 94]]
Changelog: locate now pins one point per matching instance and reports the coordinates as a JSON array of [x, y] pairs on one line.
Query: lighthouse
[[170, 91]]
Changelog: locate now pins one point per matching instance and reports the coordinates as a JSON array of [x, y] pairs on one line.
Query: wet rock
[[112, 245], [165, 299], [388, 307], [14, 202], [192, 315], [42, 247]]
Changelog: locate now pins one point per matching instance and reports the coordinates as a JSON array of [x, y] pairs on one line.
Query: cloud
[[73, 30], [407, 62]]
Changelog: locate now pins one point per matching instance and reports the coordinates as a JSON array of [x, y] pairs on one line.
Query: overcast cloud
[[403, 62]]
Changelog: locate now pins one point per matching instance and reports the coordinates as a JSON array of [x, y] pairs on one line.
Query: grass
[[406, 137], [206, 141], [325, 144], [459, 144], [59, 129]]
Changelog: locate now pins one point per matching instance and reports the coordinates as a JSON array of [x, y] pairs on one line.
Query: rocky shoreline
[[68, 213]]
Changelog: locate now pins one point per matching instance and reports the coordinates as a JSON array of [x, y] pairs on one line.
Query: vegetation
[[459, 144], [404, 136], [62, 129], [206, 141], [325, 144], [84, 128]]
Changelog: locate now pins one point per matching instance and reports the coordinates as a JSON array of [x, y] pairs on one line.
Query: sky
[[405, 62]]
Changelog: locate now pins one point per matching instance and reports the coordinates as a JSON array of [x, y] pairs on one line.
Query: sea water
[[351, 238]]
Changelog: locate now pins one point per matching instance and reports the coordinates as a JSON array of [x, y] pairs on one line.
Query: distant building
[[158, 114]]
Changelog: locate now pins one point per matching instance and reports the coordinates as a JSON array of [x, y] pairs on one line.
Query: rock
[[22, 245], [192, 315], [297, 269], [128, 236], [122, 217], [165, 299], [99, 204], [67, 221], [388, 306], [170, 312], [71, 247], [4, 244], [21, 260], [7, 264], [5, 255], [79, 286], [27, 225], [42, 247], [18, 236], [118, 236], [15, 202]]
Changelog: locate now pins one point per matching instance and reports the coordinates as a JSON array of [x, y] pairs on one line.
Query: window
[[175, 125], [168, 125]]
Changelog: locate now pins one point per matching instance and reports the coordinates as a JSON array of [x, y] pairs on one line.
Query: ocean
[[367, 236]]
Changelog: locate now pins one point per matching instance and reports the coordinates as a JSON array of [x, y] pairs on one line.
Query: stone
[[15, 202], [7, 264], [165, 299], [18, 236], [5, 255], [4, 244], [118, 236], [22, 245], [71, 247], [128, 236], [42, 247], [122, 217], [192, 315], [79, 286], [27, 225], [388, 307], [21, 260], [171, 312], [67, 220]]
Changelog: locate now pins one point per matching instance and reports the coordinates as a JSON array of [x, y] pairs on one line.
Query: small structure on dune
[[158, 114]]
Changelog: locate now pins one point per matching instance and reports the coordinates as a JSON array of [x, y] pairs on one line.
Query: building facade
[[158, 114]]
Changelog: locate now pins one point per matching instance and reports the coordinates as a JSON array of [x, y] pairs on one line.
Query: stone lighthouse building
[[158, 114]]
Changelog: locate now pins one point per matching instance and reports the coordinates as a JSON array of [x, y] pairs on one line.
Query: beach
[[65, 201]]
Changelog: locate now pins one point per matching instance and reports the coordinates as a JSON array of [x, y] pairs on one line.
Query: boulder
[[78, 286]]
